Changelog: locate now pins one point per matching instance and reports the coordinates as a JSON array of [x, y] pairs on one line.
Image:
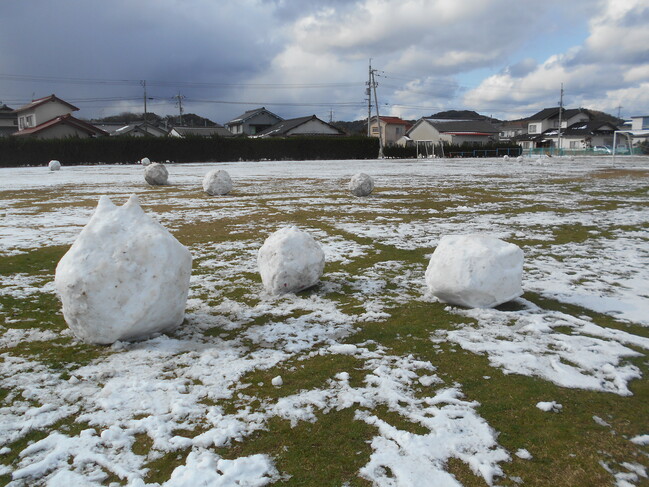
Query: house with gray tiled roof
[[218, 131], [302, 126], [477, 132], [8, 121], [253, 122]]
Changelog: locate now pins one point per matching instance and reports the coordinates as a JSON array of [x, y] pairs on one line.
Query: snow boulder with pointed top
[[475, 271], [54, 165], [124, 278], [156, 174], [289, 261], [217, 182], [361, 184]]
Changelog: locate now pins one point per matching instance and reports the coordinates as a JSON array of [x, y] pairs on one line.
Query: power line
[[133, 82]]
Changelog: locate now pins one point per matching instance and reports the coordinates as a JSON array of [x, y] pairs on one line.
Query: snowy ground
[[584, 228]]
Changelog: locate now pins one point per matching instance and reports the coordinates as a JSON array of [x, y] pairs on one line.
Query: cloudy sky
[[505, 58]]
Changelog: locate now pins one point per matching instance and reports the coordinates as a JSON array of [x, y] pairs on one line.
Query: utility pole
[[146, 128], [378, 120], [560, 117], [179, 103], [368, 93], [619, 111]]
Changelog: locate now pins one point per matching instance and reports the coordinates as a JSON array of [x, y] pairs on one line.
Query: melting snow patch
[[549, 406]]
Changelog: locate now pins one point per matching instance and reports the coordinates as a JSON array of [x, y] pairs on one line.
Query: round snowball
[[145, 161], [156, 174], [361, 184], [289, 261], [125, 277], [217, 182], [476, 271], [54, 165]]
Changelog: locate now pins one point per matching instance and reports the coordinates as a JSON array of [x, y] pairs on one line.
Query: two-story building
[[253, 122], [390, 129], [51, 118]]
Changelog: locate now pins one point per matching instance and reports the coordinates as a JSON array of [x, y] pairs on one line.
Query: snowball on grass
[[519, 159], [125, 277], [476, 271], [549, 406], [156, 174], [54, 165], [523, 454], [289, 261], [361, 184], [145, 161], [277, 381], [217, 182]]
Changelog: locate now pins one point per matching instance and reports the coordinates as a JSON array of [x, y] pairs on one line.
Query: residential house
[[512, 129], [141, 129], [391, 129], [584, 135], [543, 126], [8, 121], [640, 122], [218, 130], [303, 126], [253, 122], [51, 118], [475, 132]]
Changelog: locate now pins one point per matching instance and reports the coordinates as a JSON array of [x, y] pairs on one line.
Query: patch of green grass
[[34, 262], [327, 453], [160, 469], [39, 310], [60, 354]]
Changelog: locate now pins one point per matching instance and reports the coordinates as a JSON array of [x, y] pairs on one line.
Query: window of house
[[532, 128], [574, 144], [375, 130], [398, 130]]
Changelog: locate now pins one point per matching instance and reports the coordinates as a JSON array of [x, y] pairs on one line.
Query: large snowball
[[289, 261], [145, 161], [476, 271], [217, 182], [361, 184], [156, 174], [125, 277], [54, 165]]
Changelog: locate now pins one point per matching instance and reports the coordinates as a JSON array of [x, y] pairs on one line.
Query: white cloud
[[609, 70]]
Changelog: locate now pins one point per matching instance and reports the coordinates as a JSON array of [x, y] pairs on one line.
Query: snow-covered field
[[583, 226]]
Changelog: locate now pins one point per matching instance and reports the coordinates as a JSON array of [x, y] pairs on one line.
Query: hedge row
[[16, 151]]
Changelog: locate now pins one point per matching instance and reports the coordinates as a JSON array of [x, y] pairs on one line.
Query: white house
[[640, 122], [583, 135], [302, 126], [475, 132], [51, 118]]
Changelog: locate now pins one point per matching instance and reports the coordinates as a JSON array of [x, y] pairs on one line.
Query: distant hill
[[189, 119], [460, 115], [357, 127]]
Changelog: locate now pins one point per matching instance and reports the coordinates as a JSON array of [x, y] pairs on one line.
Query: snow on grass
[[190, 393]]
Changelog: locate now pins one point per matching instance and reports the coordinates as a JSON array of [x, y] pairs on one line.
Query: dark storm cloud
[[162, 42]]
